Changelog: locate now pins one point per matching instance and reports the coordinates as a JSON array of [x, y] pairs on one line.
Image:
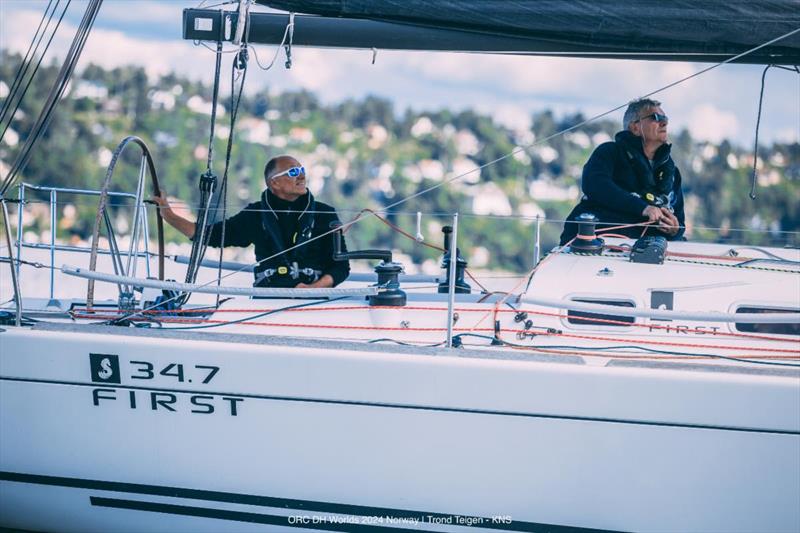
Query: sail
[[683, 30]]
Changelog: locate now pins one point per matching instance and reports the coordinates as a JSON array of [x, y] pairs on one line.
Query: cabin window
[[780, 328], [582, 318]]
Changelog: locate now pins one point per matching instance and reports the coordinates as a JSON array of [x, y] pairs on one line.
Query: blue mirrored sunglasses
[[291, 172], [658, 117]]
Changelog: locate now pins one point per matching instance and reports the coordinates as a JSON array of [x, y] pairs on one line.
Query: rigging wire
[[238, 73], [56, 93], [239, 66], [24, 66], [208, 185]]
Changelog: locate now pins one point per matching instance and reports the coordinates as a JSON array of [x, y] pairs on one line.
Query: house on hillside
[[89, 89], [254, 130]]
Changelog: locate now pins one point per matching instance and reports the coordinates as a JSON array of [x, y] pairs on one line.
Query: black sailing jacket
[[618, 183], [298, 221]]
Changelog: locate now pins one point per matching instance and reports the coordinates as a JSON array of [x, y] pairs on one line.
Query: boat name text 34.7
[[106, 369]]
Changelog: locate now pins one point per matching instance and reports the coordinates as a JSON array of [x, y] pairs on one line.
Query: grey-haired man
[[633, 179]]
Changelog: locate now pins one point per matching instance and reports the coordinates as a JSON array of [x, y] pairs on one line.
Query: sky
[[720, 104]]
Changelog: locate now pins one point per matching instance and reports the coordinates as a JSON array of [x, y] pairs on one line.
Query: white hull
[[321, 427]]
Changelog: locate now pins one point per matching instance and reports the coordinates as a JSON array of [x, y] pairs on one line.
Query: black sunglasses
[[658, 117]]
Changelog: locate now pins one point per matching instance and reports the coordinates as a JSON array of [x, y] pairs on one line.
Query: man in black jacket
[[286, 218], [633, 179]]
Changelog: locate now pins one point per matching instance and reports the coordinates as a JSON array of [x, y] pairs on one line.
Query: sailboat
[[627, 385]]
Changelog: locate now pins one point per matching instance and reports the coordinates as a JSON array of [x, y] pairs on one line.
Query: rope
[[214, 100], [758, 125], [754, 178], [401, 231]]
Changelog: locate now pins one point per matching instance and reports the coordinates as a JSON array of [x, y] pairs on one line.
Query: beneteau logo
[[105, 368]]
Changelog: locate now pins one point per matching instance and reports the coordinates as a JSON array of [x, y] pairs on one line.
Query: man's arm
[[238, 228], [184, 225]]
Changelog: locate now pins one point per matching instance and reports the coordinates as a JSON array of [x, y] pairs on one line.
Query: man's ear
[[635, 128]]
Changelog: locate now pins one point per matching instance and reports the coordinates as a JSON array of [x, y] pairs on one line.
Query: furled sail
[[683, 30]]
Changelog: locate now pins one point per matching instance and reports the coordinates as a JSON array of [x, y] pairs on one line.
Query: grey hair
[[269, 168], [635, 108]]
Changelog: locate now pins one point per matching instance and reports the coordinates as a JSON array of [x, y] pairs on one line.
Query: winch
[[651, 249], [586, 242]]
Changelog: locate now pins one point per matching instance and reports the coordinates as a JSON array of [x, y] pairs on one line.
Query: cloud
[[110, 48], [712, 124], [313, 70], [148, 11], [788, 135]]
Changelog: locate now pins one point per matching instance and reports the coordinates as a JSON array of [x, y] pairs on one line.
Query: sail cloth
[[674, 30]]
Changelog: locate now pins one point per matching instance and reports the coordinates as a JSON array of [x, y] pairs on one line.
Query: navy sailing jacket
[[618, 183], [295, 223]]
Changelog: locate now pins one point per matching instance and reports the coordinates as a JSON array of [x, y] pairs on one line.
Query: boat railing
[[53, 246]]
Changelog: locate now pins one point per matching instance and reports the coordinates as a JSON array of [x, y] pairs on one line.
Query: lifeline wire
[[402, 213]]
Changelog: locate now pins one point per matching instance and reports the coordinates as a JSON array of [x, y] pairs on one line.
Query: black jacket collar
[[279, 204], [632, 143], [656, 179]]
